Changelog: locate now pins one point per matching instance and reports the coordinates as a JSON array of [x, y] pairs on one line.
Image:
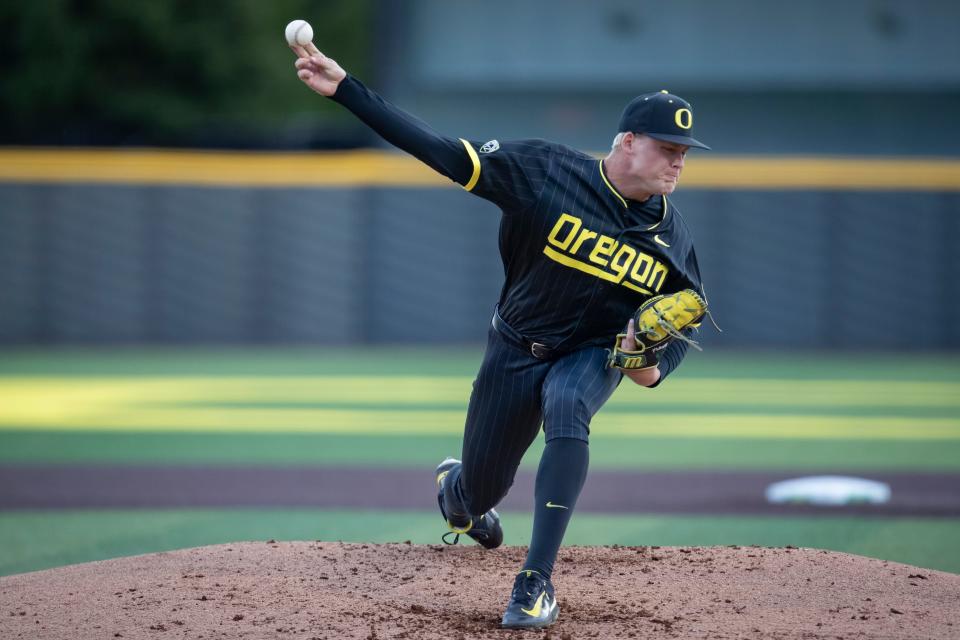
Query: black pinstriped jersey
[[578, 257]]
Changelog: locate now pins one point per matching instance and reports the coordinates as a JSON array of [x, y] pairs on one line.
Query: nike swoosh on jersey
[[550, 505], [537, 607], [657, 239]]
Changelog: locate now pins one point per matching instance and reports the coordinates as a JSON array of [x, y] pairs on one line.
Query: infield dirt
[[332, 590]]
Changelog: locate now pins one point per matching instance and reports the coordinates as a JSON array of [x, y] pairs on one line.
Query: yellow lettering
[[646, 262], [585, 235], [565, 218], [657, 277], [684, 118], [604, 247], [617, 259], [622, 260]]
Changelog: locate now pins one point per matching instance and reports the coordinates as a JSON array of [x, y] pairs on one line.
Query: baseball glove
[[658, 322]]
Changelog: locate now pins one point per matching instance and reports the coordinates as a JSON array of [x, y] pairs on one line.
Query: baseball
[[299, 32]]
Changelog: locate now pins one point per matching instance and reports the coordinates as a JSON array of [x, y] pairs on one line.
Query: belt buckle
[[539, 351]]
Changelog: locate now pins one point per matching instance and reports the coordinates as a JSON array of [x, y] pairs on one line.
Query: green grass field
[[405, 407]]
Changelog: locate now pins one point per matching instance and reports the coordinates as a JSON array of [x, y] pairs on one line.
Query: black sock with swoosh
[[562, 472]]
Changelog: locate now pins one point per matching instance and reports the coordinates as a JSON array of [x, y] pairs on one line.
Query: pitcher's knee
[[483, 488], [566, 418]]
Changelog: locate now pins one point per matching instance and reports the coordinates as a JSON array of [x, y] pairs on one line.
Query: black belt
[[538, 350]]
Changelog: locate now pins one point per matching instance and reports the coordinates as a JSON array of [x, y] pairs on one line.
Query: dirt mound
[[334, 590]]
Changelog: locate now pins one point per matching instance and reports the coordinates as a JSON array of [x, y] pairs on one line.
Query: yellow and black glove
[[658, 322]]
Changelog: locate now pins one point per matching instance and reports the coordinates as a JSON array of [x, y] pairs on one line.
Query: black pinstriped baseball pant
[[514, 394]]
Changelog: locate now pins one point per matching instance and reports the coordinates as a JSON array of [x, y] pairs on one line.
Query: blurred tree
[[172, 72]]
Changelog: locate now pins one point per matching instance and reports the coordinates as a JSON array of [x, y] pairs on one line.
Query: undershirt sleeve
[[670, 359], [447, 156]]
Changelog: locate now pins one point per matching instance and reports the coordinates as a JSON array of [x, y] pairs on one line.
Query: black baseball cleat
[[533, 604], [485, 529]]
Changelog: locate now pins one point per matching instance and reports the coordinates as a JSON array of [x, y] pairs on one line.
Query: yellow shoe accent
[[441, 477], [537, 606], [458, 529]]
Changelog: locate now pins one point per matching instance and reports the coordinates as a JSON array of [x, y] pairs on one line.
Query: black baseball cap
[[663, 116]]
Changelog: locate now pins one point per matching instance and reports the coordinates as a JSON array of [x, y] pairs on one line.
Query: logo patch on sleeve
[[490, 147]]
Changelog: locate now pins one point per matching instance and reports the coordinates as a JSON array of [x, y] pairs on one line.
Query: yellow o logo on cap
[[684, 118]]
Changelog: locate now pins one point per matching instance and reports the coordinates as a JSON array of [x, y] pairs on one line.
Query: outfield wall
[[124, 257]]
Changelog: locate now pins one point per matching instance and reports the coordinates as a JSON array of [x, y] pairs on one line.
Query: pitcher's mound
[[334, 590]]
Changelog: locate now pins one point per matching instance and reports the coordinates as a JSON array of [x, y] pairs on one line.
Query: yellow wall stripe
[[476, 166], [240, 169], [888, 174], [386, 168]]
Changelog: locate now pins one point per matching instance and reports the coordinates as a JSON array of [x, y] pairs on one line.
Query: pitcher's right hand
[[317, 71]]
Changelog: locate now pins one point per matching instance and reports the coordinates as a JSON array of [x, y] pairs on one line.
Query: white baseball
[[298, 32]]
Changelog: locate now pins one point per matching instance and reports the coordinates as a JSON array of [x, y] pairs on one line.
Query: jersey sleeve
[[511, 174]]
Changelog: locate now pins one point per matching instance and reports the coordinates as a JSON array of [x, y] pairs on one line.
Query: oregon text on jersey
[[573, 245]]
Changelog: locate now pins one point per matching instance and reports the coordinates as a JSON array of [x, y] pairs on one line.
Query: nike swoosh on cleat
[[657, 239], [550, 505], [537, 607]]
